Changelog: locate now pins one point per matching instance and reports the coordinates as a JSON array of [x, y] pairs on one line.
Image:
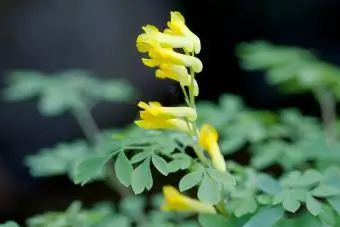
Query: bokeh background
[[57, 35]]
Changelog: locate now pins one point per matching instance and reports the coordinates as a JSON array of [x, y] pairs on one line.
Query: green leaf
[[243, 206], [324, 190], [209, 190], [313, 206], [327, 215], [141, 177], [132, 206], [216, 220], [160, 164], [140, 157], [334, 201], [9, 224], [224, 178], [268, 184], [89, 169], [190, 180], [231, 145], [123, 169], [267, 217], [310, 177], [290, 203], [174, 165]]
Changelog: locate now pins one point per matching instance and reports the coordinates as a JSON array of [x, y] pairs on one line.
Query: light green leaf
[[160, 164], [268, 184], [174, 165], [231, 145], [313, 206], [267, 217], [243, 206], [327, 215], [123, 169], [209, 190], [334, 201], [264, 199], [224, 178], [132, 206], [190, 180], [89, 169], [324, 190], [141, 177], [280, 197], [290, 203], [139, 157], [310, 177], [216, 220], [9, 224]]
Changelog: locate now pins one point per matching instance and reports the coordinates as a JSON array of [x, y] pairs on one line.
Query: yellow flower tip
[[196, 88], [208, 140], [150, 28], [150, 62], [197, 65], [175, 201]]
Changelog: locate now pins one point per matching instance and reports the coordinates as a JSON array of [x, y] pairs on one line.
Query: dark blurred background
[[56, 35]]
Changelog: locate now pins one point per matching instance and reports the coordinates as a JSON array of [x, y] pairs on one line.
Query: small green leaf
[[334, 201], [209, 191], [290, 203], [243, 206], [190, 180], [132, 206], [123, 169], [310, 177], [264, 199], [280, 197], [222, 177], [160, 164], [313, 206], [327, 215], [141, 177], [267, 217], [268, 184], [139, 157], [9, 224], [232, 145], [89, 169], [216, 220], [324, 190], [174, 165]]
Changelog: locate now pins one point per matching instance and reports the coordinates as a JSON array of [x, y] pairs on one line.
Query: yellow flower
[[208, 140], [177, 27], [156, 123], [165, 40], [161, 55], [175, 201], [178, 73], [156, 110]]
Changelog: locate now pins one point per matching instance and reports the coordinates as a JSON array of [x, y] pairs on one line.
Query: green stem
[[91, 131], [328, 111]]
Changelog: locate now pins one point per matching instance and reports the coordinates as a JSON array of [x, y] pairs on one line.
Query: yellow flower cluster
[[173, 52]]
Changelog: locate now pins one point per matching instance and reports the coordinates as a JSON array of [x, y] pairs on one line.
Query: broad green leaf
[[324, 190], [160, 164], [266, 217], [290, 203], [313, 206], [215, 220], [334, 201], [310, 177], [224, 178], [9, 224], [190, 180], [141, 177], [268, 184], [89, 169], [209, 190], [123, 169]]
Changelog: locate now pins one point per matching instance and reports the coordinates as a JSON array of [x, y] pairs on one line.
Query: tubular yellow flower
[[178, 73], [160, 55], [208, 140], [165, 40], [175, 201], [156, 123], [156, 110], [177, 27]]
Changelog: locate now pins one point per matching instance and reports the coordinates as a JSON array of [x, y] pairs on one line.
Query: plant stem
[[91, 131], [328, 111]]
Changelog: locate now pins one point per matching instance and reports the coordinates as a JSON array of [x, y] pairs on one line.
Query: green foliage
[[9, 224], [64, 91]]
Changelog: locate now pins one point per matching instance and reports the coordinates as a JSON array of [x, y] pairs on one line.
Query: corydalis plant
[[179, 66]]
